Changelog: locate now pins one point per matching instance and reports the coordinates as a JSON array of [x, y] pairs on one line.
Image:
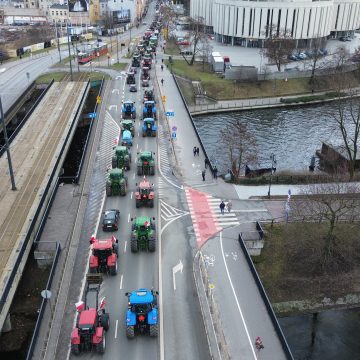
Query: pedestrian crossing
[[222, 220]]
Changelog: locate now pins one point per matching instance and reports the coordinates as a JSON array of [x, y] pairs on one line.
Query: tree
[[168, 16], [239, 145], [330, 203], [341, 56], [315, 54], [278, 45]]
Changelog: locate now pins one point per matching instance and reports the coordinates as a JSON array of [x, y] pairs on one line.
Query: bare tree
[[315, 54], [278, 45], [239, 145], [330, 203], [341, 56], [168, 17]]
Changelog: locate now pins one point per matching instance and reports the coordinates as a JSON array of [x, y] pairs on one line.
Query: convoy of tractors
[[142, 315]]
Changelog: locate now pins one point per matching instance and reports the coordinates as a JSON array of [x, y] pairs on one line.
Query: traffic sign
[[174, 128], [170, 113], [98, 99], [173, 135], [46, 294], [92, 115]]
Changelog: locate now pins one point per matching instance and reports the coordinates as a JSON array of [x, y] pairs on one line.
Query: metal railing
[[259, 230], [266, 300], [28, 114]]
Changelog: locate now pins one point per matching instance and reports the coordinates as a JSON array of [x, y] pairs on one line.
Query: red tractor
[[144, 194], [92, 320], [104, 256]]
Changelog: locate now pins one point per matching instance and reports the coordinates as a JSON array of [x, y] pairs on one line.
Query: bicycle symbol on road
[[233, 254], [209, 260]]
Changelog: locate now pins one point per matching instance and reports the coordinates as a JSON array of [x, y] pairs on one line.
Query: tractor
[[128, 110], [126, 138], [116, 183], [121, 158], [144, 194], [142, 314], [92, 320], [149, 127], [104, 255], [128, 125], [149, 95], [145, 163], [149, 52], [143, 234], [149, 110], [130, 78], [136, 60], [147, 61], [145, 73]]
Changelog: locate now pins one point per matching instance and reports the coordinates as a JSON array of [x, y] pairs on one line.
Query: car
[[183, 42], [292, 57], [133, 88], [323, 51], [144, 23], [111, 219], [301, 56], [145, 83]]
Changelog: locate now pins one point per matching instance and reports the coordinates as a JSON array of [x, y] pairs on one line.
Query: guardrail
[[43, 303], [266, 300], [24, 245], [260, 230], [28, 114]]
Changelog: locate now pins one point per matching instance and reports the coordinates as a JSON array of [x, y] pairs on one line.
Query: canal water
[[292, 134]]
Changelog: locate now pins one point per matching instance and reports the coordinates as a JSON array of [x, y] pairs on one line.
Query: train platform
[[37, 154]]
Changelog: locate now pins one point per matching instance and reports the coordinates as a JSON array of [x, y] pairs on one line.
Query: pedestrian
[[203, 175], [222, 207], [258, 343], [162, 61], [162, 82], [215, 172], [162, 67], [194, 150], [197, 151], [229, 206], [206, 163]]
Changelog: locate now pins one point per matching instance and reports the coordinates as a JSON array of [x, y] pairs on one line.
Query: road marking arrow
[[115, 91], [175, 269]]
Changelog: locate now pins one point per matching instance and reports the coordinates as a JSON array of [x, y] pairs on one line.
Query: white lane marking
[[125, 244], [121, 281], [251, 210], [137, 146], [115, 91], [116, 328], [134, 176], [2, 70], [128, 217], [131, 195], [236, 299], [138, 133], [112, 106]]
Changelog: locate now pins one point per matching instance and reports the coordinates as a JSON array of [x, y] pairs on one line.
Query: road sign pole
[[13, 186]]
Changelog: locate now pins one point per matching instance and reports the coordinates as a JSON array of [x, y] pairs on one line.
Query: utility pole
[[13, 186], [273, 169], [57, 38], [117, 47], [68, 36]]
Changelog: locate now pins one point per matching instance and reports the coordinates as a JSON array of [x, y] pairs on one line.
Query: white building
[[244, 22]]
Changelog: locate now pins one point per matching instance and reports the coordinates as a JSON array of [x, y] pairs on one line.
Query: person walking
[[229, 206], [162, 67], [197, 151], [215, 171], [162, 82], [194, 150], [207, 162], [222, 207], [203, 175], [162, 61]]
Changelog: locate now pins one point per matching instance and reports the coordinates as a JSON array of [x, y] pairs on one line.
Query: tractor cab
[[104, 255], [144, 194], [128, 125], [116, 183], [128, 110], [121, 158], [136, 60], [149, 52], [130, 78], [145, 73], [149, 110], [142, 313], [147, 61], [126, 138], [149, 127], [149, 95]]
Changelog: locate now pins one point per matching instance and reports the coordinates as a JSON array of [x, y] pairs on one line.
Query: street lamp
[[273, 169], [68, 36]]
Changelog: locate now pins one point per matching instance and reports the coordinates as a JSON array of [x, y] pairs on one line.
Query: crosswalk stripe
[[229, 224]]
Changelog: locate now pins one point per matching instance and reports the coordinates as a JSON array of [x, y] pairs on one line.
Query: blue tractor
[[142, 314], [126, 138], [149, 127], [128, 110], [149, 110]]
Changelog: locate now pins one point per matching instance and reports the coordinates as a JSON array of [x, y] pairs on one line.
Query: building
[[59, 13], [245, 22], [21, 16]]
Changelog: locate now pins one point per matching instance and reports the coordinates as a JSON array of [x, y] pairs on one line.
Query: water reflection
[[293, 134]]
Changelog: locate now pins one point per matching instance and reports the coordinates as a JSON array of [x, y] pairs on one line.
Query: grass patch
[[171, 47], [46, 78], [187, 91], [305, 99], [221, 89], [119, 66], [58, 76]]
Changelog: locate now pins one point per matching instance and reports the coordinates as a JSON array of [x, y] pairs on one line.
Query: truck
[[218, 64]]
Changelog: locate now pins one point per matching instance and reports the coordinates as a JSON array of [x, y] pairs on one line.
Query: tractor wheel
[[151, 203], [123, 189], [152, 245], [75, 349], [113, 269], [140, 170], [130, 332], [144, 134], [114, 162], [154, 330], [152, 170], [127, 164], [116, 249], [134, 245], [108, 190], [153, 134], [100, 348], [92, 270], [105, 321], [138, 203]]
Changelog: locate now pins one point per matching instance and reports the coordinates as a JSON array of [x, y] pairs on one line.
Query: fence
[[266, 300], [215, 316]]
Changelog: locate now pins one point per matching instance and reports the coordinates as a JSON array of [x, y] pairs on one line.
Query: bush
[[309, 98]]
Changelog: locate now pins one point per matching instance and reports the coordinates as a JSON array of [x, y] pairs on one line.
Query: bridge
[[37, 154]]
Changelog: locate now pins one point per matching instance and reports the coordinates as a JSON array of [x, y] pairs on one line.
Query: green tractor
[[128, 125], [136, 60], [146, 163], [121, 158], [143, 235], [116, 183]]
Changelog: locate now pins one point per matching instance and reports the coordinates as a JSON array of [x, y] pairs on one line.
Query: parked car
[[345, 38], [111, 219], [323, 51], [301, 56], [292, 57]]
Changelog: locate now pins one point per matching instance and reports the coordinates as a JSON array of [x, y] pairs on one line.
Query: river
[[292, 134]]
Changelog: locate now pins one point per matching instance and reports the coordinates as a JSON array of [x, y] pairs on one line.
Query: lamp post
[[68, 36], [57, 39], [117, 47], [273, 169]]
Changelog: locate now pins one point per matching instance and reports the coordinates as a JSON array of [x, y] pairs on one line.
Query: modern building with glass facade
[[247, 22]]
